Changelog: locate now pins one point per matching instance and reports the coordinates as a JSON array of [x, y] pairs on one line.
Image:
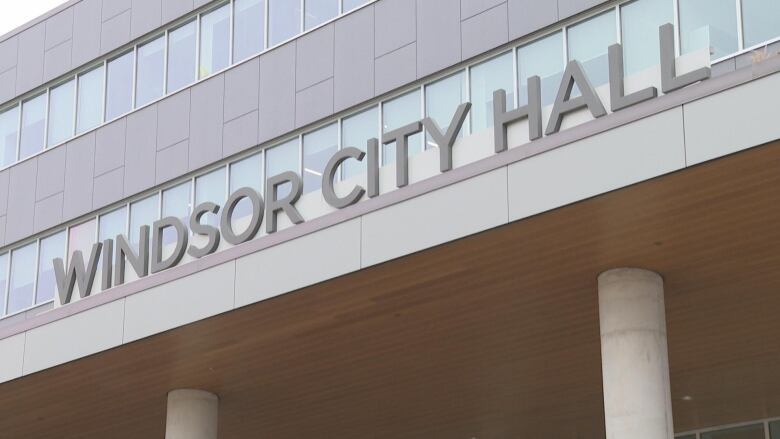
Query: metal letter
[[76, 274], [107, 259], [226, 222], [330, 175], [532, 111], [204, 229], [565, 104], [617, 89], [157, 245], [669, 79], [401, 138], [125, 253], [372, 148], [446, 140], [286, 204]]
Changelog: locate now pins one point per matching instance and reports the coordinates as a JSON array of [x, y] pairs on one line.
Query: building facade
[[391, 218]]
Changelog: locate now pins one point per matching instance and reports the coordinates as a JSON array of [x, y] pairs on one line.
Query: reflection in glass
[[142, 213], [22, 283], [441, 100], [355, 132], [284, 20], [589, 43], [33, 126], [281, 158], [61, 108], [3, 281], [641, 20], [110, 225], [211, 187], [319, 11], [247, 172], [51, 248], [397, 113], [708, 23], [486, 78], [248, 29], [543, 58], [755, 431], [175, 203], [318, 147], [181, 57], [761, 21], [9, 131], [119, 87], [90, 100], [151, 66], [214, 41]]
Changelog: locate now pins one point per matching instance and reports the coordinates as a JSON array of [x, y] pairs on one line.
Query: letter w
[[76, 273]]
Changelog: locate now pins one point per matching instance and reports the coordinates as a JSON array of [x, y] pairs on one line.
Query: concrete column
[[192, 414], [634, 355]]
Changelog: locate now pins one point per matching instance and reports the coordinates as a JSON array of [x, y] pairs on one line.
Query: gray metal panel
[[526, 16], [8, 50], [314, 103], [87, 25], [8, 84], [395, 22], [172, 161], [395, 69], [470, 8], [172, 9], [206, 114], [724, 67], [353, 69], [112, 8], [147, 15], [51, 173], [141, 150], [29, 68], [116, 32], [277, 92], [4, 182], [59, 28], [48, 212], [438, 35], [314, 58], [57, 61], [2, 229], [110, 147], [567, 8], [108, 188], [240, 134], [242, 89], [485, 31], [79, 171], [173, 119], [199, 3], [21, 200]]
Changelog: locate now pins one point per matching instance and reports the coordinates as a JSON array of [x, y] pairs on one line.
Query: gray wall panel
[[112, 8], [8, 53], [277, 92], [147, 16], [79, 171], [4, 182], [59, 28], [240, 134], [108, 188], [48, 212], [395, 22], [115, 32], [314, 103], [51, 173], [140, 150], [353, 66], [242, 90], [29, 69], [526, 16], [438, 35], [172, 162], [3, 220], [172, 9], [110, 147], [395, 69], [8, 85], [206, 114], [470, 8], [314, 58], [173, 119], [485, 31], [57, 61], [87, 25], [567, 8], [21, 200]]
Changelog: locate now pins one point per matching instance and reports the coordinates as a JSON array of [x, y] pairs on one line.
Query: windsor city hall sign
[[146, 259]]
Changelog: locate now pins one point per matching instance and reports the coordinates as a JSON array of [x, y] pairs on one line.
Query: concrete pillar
[[634, 355], [192, 414]]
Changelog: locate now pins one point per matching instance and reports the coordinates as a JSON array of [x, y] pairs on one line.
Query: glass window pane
[[442, 99], [61, 113], [282, 158], [486, 78], [176, 203], [82, 238], [3, 281], [396, 113], [20, 295], [246, 173], [543, 58], [318, 147], [9, 131], [641, 20], [142, 213], [755, 431], [319, 11], [284, 20], [181, 57], [90, 100], [151, 66], [355, 132], [708, 23], [211, 187], [112, 224], [249, 28], [589, 43], [774, 427], [214, 41], [119, 90], [761, 21], [352, 4], [33, 126], [51, 248]]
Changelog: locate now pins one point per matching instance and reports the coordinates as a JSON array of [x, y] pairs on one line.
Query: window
[[755, 431], [20, 295], [61, 107], [110, 225], [249, 28], [119, 87], [214, 41], [181, 56], [486, 78], [9, 132], [318, 147], [352, 4], [284, 20], [51, 248], [319, 11], [176, 203], [211, 187], [282, 158], [708, 23], [142, 213], [246, 173], [81, 238], [442, 99], [640, 22], [33, 126], [543, 58], [760, 21], [774, 426], [396, 113], [150, 75], [90, 100], [3, 281], [589, 43], [355, 132]]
